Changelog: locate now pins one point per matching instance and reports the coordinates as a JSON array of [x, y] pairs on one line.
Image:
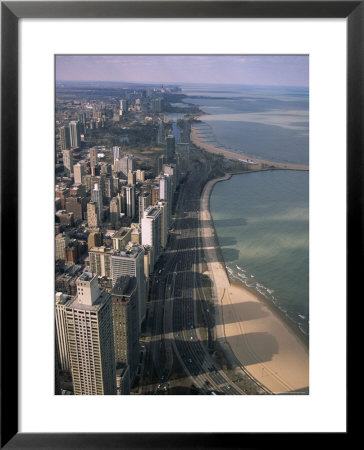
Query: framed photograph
[[123, 118]]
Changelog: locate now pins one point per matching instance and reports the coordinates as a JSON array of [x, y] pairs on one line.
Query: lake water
[[261, 218]]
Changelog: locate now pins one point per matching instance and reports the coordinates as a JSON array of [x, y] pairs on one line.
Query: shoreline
[[253, 162], [270, 347]]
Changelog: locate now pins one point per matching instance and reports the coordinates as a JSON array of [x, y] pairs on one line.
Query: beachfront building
[[151, 230]]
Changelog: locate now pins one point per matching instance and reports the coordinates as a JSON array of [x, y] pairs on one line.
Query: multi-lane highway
[[176, 288]]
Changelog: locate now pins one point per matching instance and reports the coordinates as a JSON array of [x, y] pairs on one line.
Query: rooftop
[[96, 306], [125, 286], [86, 276]]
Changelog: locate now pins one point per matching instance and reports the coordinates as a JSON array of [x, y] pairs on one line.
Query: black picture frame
[[11, 12]]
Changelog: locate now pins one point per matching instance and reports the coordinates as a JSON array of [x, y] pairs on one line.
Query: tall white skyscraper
[[96, 197], [123, 106], [130, 261], [91, 339], [151, 230], [165, 193]]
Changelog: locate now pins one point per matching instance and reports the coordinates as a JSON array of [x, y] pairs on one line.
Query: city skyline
[[264, 70]]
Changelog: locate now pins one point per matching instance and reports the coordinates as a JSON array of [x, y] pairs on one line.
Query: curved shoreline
[[268, 347], [198, 141]]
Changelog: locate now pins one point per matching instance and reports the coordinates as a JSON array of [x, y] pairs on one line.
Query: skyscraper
[[170, 150], [117, 153], [94, 239], [100, 260], [157, 105], [163, 206], [144, 201], [91, 339], [121, 238], [151, 230], [60, 247], [125, 311], [129, 195], [165, 193], [77, 206], [68, 160], [65, 140], [93, 160], [96, 197], [140, 175], [61, 301], [92, 215], [126, 164], [75, 134], [78, 173], [130, 261], [123, 106], [131, 178], [114, 213]]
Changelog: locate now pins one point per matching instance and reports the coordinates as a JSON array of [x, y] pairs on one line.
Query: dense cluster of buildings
[[111, 227]]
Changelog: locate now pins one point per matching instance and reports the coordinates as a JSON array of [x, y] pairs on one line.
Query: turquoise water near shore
[[261, 220]]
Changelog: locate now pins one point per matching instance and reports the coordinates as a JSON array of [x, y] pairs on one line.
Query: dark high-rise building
[[125, 313], [157, 105], [93, 160], [77, 206], [65, 140], [82, 117], [161, 161], [171, 147]]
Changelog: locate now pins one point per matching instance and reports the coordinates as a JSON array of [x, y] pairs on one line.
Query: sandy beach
[[261, 339], [260, 163]]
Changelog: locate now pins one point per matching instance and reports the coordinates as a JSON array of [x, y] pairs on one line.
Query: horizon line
[[182, 82]]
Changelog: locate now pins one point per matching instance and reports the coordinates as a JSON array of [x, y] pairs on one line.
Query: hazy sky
[[235, 69]]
